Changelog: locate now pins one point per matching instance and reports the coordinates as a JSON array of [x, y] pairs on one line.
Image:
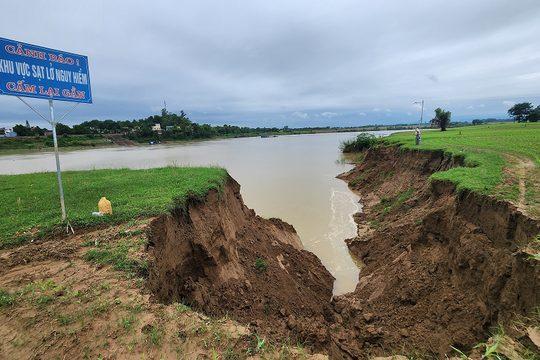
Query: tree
[[477, 122], [80, 130], [62, 129], [441, 119], [39, 131], [22, 130], [534, 115], [520, 111]]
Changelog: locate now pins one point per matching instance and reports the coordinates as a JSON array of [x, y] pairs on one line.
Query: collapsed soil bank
[[441, 269], [207, 257]]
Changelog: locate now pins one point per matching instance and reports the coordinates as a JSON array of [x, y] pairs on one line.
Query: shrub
[[362, 142], [260, 264]]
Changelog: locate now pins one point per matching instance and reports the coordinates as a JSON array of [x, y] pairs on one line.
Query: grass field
[[31, 202], [502, 159]]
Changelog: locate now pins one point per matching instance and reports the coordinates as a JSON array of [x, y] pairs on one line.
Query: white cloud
[[300, 115], [509, 103], [329, 114], [362, 114], [388, 110], [376, 110], [470, 107]]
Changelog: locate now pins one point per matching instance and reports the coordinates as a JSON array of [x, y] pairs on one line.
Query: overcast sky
[[286, 62]]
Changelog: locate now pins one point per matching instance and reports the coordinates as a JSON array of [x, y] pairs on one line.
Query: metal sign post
[[57, 156], [34, 71], [58, 171]]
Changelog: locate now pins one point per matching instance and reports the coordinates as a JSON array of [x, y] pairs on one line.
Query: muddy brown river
[[288, 177]]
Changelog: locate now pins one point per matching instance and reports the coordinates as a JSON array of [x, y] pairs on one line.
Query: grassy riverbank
[[38, 143], [31, 202], [503, 159]]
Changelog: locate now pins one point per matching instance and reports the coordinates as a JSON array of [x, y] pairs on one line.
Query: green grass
[[516, 137], [31, 202], [115, 257], [487, 149], [6, 299], [389, 206], [260, 264], [40, 142]]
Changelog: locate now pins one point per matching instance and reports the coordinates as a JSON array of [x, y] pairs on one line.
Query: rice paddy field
[[502, 159]]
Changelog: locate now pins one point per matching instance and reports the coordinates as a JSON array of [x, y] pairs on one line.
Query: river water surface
[[289, 177]]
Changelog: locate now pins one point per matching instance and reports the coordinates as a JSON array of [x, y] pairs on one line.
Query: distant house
[[157, 128], [9, 134]]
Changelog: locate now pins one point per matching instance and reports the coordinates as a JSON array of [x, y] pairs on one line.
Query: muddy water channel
[[289, 177]]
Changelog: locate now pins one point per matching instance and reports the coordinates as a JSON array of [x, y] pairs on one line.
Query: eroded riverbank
[[441, 271]]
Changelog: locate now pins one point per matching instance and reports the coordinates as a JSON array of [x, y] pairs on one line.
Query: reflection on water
[[289, 177]]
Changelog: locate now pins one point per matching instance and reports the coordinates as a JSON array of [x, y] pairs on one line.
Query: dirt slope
[[441, 270], [208, 257]]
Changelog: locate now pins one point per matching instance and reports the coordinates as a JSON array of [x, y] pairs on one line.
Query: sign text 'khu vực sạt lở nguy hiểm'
[[39, 72]]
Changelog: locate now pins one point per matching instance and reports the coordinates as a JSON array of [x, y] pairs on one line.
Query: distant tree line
[[180, 127], [172, 127]]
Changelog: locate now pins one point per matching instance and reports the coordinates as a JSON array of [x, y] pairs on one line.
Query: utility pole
[[422, 113]]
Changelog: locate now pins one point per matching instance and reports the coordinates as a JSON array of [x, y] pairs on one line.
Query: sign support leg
[[53, 123]]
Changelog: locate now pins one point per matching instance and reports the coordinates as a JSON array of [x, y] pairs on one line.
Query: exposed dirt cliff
[[207, 257], [441, 269]]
